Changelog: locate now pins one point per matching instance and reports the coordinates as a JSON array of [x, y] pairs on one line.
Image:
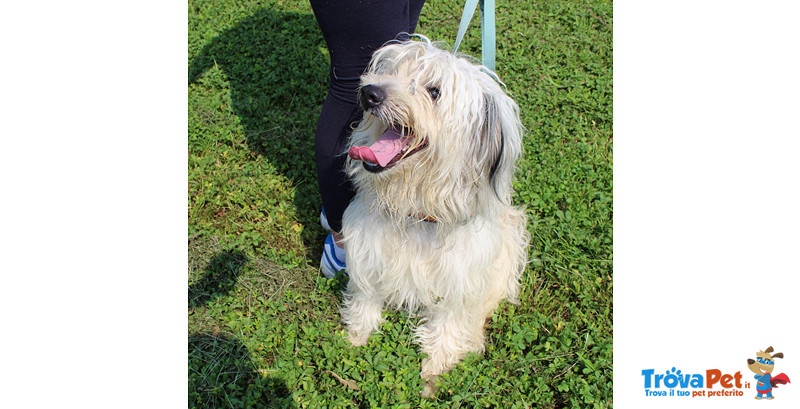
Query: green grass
[[264, 329]]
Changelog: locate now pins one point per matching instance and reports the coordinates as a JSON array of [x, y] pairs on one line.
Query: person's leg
[[333, 129], [353, 30], [415, 7]]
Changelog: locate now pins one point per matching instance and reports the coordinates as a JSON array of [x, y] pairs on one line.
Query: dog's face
[[434, 125], [764, 362]]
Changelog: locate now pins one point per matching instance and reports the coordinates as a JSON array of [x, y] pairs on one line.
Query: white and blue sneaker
[[333, 256]]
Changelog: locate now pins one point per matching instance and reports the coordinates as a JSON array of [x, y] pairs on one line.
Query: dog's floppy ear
[[500, 142]]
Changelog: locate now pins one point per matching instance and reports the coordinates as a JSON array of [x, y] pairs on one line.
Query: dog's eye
[[434, 92]]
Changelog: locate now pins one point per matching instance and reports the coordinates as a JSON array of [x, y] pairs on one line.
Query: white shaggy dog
[[432, 228]]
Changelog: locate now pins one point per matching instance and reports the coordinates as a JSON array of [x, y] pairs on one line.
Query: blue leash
[[487, 29]]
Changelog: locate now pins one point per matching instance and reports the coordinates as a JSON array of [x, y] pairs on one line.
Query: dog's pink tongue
[[383, 150]]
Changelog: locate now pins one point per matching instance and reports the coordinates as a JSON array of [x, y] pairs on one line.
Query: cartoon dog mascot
[[762, 366]]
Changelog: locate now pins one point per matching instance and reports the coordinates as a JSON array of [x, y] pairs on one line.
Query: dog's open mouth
[[393, 146]]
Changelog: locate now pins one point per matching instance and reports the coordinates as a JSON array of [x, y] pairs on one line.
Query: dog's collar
[[422, 217]]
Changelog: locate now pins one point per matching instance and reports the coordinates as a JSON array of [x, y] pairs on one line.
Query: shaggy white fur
[[434, 230]]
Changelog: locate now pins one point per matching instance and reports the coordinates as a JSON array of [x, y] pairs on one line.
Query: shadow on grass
[[221, 374], [277, 69], [221, 371], [219, 277]]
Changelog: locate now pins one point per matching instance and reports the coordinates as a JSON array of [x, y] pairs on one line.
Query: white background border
[[93, 222], [706, 192]]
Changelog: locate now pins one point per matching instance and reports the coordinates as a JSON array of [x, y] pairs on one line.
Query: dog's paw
[[432, 368], [429, 387], [357, 339]]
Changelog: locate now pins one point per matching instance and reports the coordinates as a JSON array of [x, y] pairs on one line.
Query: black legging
[[353, 30]]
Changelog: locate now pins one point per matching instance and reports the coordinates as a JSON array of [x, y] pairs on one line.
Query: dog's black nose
[[372, 96]]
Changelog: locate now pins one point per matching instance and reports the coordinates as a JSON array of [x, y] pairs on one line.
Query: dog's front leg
[[446, 336], [361, 314]]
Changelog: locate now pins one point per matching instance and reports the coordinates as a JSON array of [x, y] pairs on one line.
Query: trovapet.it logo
[[674, 382], [714, 383]]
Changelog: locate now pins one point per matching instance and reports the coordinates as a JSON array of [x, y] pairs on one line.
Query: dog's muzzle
[[392, 146]]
